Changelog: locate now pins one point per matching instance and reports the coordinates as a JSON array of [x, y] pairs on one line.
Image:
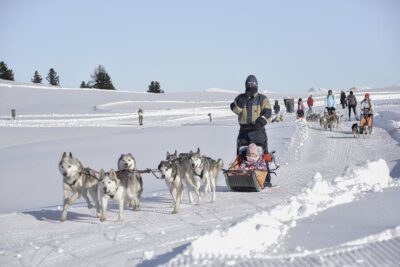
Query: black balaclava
[[251, 85]]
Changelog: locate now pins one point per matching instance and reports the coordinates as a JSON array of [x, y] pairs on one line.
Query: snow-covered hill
[[335, 202]]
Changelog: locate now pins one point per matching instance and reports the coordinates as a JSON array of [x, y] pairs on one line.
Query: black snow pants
[[250, 134], [354, 110]]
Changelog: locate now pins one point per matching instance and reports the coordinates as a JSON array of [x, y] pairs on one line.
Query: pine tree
[[84, 85], [101, 79], [36, 77], [151, 87], [5, 72], [52, 77], [155, 87]]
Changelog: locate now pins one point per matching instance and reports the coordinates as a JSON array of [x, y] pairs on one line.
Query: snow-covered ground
[[335, 204]]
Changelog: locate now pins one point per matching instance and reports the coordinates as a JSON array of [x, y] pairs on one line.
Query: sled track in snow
[[305, 147], [375, 254]]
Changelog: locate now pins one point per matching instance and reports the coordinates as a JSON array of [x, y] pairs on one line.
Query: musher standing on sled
[[253, 110], [366, 113]]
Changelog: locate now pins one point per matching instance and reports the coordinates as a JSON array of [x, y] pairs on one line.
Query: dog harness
[[202, 170]]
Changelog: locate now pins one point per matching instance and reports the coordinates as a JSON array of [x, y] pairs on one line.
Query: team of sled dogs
[[125, 186]]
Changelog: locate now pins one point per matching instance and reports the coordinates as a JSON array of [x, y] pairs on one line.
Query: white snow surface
[[335, 202]]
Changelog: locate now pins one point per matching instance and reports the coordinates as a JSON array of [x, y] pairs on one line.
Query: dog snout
[[105, 189], [64, 173], [125, 165]]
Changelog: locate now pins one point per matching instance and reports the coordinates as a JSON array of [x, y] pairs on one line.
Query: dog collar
[[71, 185], [201, 173]]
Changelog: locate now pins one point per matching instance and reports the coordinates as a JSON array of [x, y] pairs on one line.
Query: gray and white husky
[[179, 174], [78, 181], [122, 187], [126, 162], [127, 170], [207, 169], [184, 159]]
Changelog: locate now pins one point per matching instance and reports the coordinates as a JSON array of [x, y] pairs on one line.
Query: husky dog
[[207, 169], [173, 179], [77, 181], [127, 170], [313, 117], [178, 174], [329, 121], [126, 162], [355, 130], [123, 190], [171, 157], [184, 159]]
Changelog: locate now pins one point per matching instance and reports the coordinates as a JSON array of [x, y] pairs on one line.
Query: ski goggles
[[251, 84]]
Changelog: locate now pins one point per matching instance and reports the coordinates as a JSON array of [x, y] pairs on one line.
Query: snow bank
[[219, 90], [390, 121], [255, 235]]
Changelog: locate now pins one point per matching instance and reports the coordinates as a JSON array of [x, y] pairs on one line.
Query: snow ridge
[[317, 196]]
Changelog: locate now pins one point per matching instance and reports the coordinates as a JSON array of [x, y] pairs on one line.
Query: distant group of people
[[349, 101], [301, 107]]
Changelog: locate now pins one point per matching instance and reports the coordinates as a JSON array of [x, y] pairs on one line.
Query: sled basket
[[244, 180]]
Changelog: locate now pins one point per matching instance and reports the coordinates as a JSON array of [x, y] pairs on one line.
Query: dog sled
[[243, 180]]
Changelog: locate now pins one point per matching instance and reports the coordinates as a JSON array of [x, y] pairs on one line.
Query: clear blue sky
[[194, 45]]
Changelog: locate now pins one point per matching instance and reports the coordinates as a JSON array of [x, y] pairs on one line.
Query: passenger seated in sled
[[253, 159], [249, 171]]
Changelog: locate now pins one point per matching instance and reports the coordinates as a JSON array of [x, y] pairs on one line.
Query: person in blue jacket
[[330, 102]]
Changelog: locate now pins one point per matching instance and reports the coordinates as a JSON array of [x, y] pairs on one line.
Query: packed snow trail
[[148, 236], [306, 151]]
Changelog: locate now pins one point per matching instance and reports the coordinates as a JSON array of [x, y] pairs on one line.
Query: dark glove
[[241, 101], [260, 122]]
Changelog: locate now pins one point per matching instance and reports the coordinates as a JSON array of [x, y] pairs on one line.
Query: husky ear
[[130, 155], [64, 154], [176, 152], [113, 175], [101, 173], [168, 154], [70, 155], [198, 150]]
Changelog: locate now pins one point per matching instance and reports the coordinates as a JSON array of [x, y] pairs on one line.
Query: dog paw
[[98, 215], [174, 212], [120, 218], [102, 219], [90, 206], [62, 219], [136, 208]]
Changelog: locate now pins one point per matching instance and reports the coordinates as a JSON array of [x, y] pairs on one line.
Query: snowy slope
[[335, 204]]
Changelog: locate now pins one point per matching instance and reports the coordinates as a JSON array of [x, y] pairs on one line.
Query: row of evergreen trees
[[8, 74], [100, 79], [52, 77]]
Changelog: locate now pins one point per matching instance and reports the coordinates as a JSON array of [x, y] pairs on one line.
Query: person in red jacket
[[310, 104]]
